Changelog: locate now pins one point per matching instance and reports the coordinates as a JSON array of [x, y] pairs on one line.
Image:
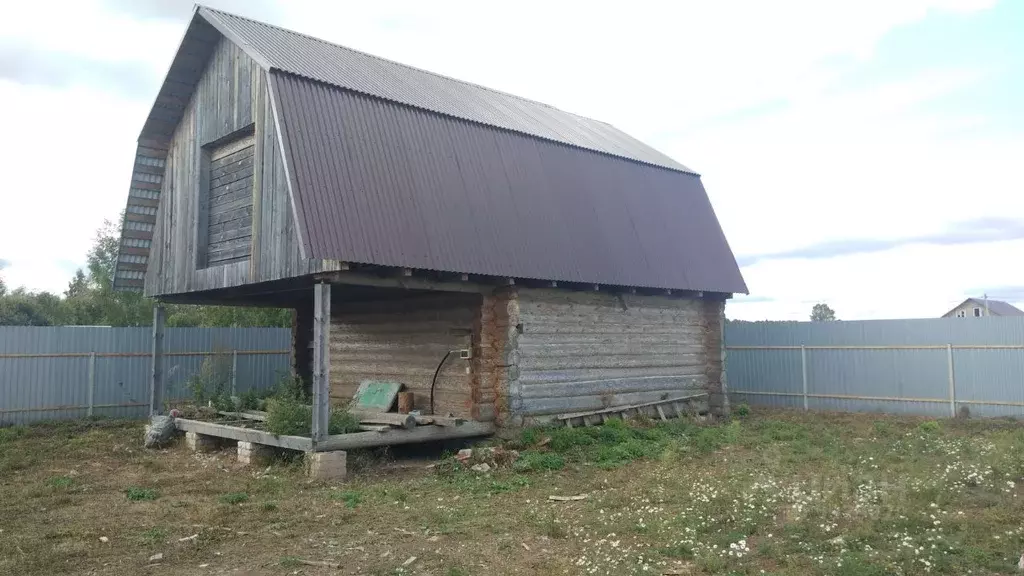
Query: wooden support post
[[156, 386], [321, 362]]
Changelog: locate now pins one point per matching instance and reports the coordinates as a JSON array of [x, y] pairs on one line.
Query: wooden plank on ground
[[244, 434], [622, 408]]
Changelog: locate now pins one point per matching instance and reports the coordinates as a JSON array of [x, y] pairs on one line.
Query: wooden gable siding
[[231, 96]]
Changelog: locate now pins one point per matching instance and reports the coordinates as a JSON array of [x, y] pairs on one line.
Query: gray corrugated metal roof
[[347, 68], [383, 183], [999, 308]]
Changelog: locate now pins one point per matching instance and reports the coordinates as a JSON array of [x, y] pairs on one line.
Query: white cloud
[[750, 94]]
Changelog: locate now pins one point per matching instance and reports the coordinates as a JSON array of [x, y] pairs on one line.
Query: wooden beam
[[408, 283], [244, 434], [156, 383], [321, 361], [392, 437], [407, 421]]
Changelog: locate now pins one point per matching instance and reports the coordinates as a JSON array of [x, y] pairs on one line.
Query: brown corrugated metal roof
[[384, 183], [346, 68]]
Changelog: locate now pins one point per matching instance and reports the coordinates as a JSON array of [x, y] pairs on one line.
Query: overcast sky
[[867, 154]]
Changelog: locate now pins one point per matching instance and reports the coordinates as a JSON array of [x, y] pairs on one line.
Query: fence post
[[91, 393], [234, 372], [803, 370], [952, 380]]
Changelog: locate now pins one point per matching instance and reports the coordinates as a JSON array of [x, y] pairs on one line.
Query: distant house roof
[[394, 166], [995, 307]]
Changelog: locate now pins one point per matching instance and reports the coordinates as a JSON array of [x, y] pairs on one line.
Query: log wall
[[579, 351], [404, 340]]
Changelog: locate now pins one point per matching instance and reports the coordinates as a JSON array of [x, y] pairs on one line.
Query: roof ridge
[[402, 64]]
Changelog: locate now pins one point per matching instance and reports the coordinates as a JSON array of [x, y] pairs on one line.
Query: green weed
[[136, 494], [232, 498], [351, 498]]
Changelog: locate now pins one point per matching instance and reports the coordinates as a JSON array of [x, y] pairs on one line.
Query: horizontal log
[[438, 328], [558, 327], [436, 302], [583, 374], [609, 361], [620, 317], [628, 348], [540, 298], [609, 386], [393, 437]]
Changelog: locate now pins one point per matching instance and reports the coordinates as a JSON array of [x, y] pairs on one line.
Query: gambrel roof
[[395, 166]]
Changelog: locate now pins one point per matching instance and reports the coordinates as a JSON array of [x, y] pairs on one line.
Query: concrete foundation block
[[251, 453], [201, 442], [327, 465]]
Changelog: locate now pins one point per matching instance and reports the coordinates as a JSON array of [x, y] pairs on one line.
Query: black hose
[[433, 381]]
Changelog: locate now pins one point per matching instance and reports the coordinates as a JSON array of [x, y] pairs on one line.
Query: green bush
[[290, 417], [929, 426], [341, 422], [743, 410], [212, 382]]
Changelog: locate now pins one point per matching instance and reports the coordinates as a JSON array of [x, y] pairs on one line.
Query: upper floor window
[[961, 313], [226, 214], [977, 312]]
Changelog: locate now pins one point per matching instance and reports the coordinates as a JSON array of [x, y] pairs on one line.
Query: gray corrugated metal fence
[[63, 372], [931, 367]]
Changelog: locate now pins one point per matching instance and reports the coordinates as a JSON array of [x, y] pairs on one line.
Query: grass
[[136, 494], [781, 492], [232, 498]]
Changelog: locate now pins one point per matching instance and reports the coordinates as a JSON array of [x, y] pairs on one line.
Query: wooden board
[[376, 395]]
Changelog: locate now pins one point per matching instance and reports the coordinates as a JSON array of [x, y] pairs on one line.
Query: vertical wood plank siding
[[586, 351], [231, 95], [404, 340]]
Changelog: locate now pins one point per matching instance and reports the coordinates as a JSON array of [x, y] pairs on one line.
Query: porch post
[[321, 362], [156, 385]]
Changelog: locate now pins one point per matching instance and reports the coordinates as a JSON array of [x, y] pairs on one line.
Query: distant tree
[[822, 313], [90, 299], [23, 308]]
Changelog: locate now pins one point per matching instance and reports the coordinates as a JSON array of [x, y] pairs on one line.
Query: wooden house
[[507, 261]]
